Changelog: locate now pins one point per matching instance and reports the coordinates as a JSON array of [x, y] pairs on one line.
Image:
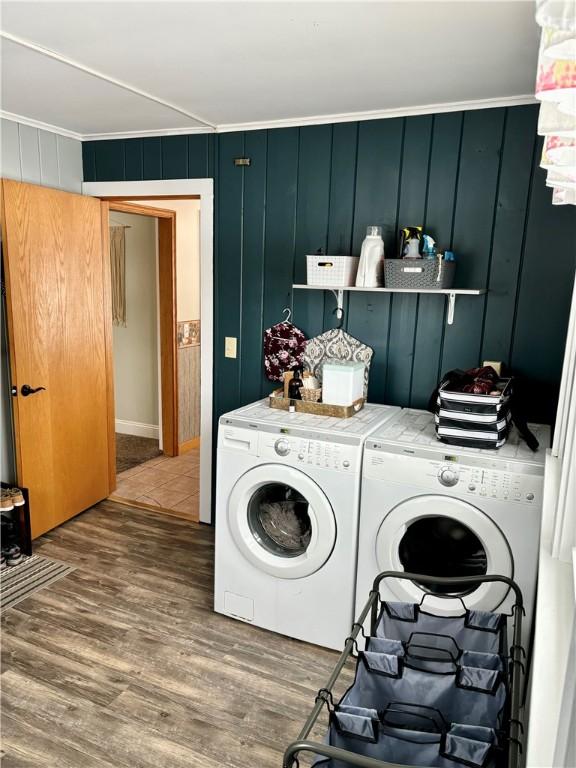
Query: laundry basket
[[468, 700]]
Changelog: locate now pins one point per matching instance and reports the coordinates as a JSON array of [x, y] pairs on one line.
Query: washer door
[[281, 521], [443, 536]]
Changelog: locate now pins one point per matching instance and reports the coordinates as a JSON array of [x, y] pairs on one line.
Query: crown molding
[[344, 117], [146, 134], [40, 125], [381, 114]]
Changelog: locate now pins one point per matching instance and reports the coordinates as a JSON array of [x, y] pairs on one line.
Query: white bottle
[[371, 265]]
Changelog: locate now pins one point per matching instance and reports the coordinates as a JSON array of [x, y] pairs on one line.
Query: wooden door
[[59, 329]]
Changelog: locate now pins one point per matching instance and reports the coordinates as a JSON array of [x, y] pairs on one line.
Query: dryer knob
[[448, 477], [282, 447]]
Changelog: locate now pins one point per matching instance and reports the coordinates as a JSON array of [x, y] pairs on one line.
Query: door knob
[[28, 390]]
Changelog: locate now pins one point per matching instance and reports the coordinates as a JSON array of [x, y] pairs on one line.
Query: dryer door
[[443, 536], [281, 521]]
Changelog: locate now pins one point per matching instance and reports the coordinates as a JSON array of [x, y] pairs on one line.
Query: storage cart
[[465, 676]]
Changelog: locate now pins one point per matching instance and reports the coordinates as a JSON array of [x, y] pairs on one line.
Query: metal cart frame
[[517, 671]]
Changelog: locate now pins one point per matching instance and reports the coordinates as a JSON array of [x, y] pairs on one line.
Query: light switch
[[230, 346]]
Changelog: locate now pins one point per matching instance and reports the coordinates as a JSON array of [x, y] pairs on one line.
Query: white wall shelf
[[451, 293]]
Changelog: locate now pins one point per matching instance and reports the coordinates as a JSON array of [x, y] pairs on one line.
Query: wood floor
[[123, 663]]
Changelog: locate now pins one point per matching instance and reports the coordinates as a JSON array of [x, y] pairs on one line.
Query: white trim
[[136, 428], [100, 75], [344, 117], [381, 114], [13, 118], [204, 188], [147, 134]]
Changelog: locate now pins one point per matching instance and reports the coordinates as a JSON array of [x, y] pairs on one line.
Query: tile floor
[[167, 484]]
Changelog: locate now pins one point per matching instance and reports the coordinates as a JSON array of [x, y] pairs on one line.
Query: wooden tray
[[277, 400]]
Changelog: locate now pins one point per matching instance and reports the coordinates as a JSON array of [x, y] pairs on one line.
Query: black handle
[[28, 390]]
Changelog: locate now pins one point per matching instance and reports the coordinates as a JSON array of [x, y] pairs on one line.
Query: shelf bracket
[[451, 305], [339, 296]]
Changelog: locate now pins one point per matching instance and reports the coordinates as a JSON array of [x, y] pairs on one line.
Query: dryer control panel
[[462, 479], [305, 452]]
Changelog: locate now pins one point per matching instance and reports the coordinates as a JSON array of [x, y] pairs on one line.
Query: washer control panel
[[309, 453]]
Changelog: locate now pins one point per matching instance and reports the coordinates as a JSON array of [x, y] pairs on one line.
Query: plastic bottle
[[429, 250], [371, 266]]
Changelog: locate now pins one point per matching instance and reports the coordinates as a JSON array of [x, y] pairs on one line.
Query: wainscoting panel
[[188, 393]]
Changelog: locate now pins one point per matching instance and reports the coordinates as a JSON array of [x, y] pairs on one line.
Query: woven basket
[[311, 395]]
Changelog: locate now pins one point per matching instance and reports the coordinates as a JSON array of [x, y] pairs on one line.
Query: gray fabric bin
[[469, 695], [472, 630], [361, 731]]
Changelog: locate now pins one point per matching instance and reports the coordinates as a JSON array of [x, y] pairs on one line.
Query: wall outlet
[[230, 343], [495, 364]]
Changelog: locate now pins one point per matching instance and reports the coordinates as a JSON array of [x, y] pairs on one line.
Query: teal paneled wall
[[471, 178]]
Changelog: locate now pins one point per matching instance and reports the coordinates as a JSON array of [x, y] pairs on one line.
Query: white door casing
[[323, 522], [205, 189]]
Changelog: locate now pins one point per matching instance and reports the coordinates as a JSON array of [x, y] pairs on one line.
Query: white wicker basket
[[335, 271]]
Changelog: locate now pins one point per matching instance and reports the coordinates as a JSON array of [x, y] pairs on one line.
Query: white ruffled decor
[[556, 89]]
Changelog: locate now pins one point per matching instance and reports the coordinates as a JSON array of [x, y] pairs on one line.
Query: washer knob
[[346, 463], [282, 447], [530, 496], [448, 477]]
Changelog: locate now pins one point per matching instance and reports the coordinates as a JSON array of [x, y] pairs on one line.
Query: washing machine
[[287, 504], [441, 510]]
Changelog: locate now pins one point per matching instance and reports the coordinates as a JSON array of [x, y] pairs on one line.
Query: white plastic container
[[342, 382], [334, 271], [371, 267]]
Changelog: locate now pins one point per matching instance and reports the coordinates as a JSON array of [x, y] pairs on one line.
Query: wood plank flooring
[[124, 664]]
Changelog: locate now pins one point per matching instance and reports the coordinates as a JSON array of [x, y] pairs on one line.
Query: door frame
[[168, 360], [202, 189]]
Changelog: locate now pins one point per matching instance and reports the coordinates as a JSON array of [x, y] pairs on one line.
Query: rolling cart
[[466, 678]]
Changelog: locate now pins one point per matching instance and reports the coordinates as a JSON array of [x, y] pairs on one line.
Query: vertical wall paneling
[[465, 175], [509, 228], [376, 202], [250, 349], [110, 160], [411, 212], [474, 219], [441, 192], [229, 266], [174, 156], [200, 153], [281, 185], [545, 286], [89, 160], [11, 164], [69, 160], [312, 212], [134, 160], [341, 215], [152, 158], [30, 154], [49, 170]]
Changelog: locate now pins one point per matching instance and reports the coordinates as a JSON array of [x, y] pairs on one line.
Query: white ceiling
[[235, 63]]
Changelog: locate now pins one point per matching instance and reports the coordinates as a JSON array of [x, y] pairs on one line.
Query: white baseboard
[[135, 428]]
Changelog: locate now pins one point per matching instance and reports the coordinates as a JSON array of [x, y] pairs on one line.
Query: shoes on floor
[[13, 555]]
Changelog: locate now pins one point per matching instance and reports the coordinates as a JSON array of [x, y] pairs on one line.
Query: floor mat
[[132, 450], [20, 581]]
